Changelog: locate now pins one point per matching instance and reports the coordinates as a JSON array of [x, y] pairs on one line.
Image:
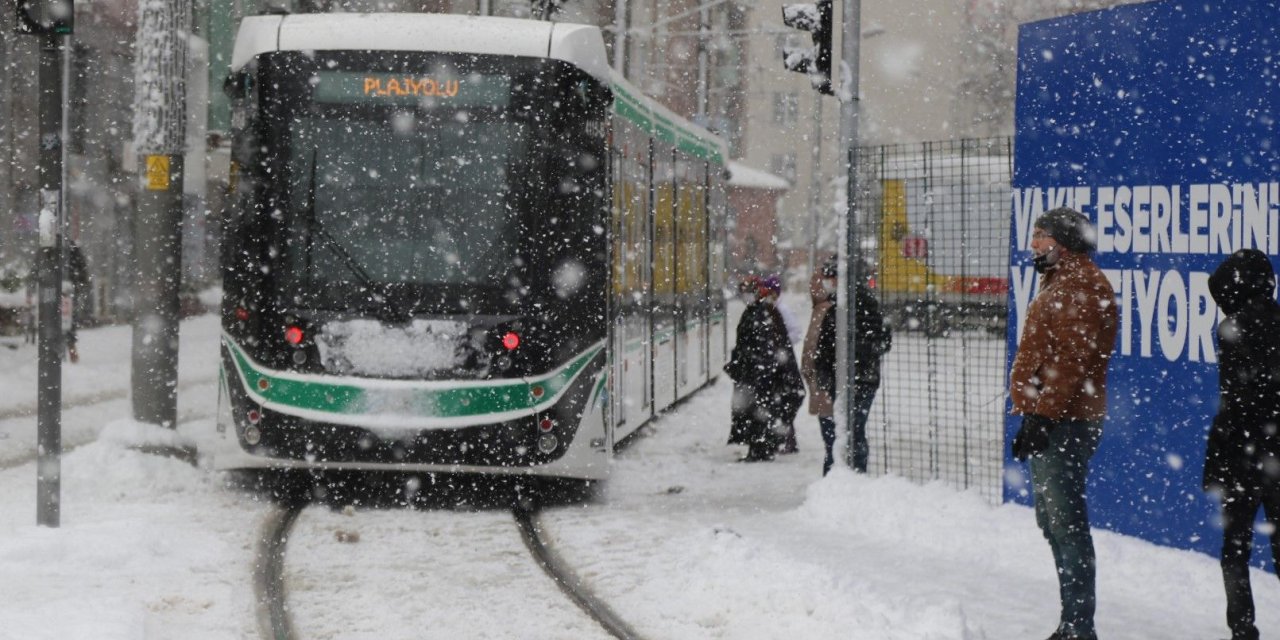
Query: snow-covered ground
[[684, 542]]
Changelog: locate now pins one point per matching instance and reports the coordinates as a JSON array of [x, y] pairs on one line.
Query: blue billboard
[[1159, 122]]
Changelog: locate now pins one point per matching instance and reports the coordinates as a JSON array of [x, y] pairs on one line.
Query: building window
[[783, 165], [786, 108]]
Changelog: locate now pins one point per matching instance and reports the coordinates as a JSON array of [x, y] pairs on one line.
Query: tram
[[459, 245]]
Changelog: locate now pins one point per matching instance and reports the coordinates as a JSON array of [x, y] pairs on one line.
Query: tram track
[[275, 619], [564, 576]]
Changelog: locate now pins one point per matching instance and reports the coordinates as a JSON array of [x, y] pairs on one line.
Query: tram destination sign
[[471, 90]]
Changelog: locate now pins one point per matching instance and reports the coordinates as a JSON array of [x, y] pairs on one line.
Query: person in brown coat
[[1058, 383], [818, 363], [822, 392]]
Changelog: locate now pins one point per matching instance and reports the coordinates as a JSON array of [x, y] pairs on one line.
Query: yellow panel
[[898, 273]]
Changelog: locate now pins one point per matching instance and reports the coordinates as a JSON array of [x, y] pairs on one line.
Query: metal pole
[[49, 365], [703, 66], [815, 186], [620, 37], [852, 262]]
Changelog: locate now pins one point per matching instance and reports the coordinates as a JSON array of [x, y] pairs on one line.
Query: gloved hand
[[1032, 436]]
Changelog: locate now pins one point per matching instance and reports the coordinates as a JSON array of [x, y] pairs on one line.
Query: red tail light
[[293, 335], [511, 340]]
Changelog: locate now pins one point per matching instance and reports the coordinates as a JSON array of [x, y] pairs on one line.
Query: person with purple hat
[[767, 379]]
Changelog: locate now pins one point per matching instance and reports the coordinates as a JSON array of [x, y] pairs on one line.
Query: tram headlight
[[252, 435], [547, 443]]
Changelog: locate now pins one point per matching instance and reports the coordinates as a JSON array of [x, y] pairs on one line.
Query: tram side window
[[631, 184], [664, 184], [241, 241]]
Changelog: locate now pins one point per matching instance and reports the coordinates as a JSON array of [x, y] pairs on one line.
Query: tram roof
[[662, 123], [577, 44]]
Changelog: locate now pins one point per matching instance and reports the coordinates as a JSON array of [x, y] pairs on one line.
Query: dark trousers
[[1058, 477], [827, 424], [859, 449], [1239, 508]]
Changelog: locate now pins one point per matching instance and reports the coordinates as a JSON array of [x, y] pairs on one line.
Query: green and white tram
[[458, 244]]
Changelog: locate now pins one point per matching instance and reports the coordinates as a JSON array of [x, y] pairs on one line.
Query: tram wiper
[[387, 310]]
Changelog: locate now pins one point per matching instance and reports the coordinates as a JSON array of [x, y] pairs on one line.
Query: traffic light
[[38, 17], [815, 60]]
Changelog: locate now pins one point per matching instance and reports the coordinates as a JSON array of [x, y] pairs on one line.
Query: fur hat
[[1069, 228], [770, 285]]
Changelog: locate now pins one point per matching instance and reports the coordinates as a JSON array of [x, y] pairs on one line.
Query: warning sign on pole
[[157, 173]]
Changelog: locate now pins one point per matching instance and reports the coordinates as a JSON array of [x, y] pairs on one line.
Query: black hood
[[1245, 275]]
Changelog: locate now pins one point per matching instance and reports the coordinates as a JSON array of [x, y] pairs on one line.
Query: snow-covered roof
[[740, 175], [663, 123], [577, 44]]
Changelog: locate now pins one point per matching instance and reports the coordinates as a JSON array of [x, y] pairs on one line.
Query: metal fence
[[934, 223]]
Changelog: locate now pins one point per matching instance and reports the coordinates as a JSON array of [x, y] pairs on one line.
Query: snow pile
[[148, 547]]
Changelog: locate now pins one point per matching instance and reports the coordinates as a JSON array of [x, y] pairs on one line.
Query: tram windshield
[[407, 207], [416, 172]]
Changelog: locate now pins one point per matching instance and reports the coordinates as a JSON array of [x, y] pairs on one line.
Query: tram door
[[690, 277], [632, 275], [698, 268], [663, 307], [618, 283], [716, 271], [704, 200]]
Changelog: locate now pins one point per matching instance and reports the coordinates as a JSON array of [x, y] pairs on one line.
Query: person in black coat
[[1242, 458], [77, 272], [767, 384], [872, 340]]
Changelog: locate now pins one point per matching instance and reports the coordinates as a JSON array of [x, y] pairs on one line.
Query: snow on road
[[684, 542]]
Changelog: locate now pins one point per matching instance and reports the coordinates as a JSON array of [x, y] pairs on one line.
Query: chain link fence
[[935, 231]]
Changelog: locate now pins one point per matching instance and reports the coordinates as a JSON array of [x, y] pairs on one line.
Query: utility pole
[[816, 61], [704, 66], [815, 186], [159, 132], [52, 21], [851, 261], [49, 366], [620, 25]]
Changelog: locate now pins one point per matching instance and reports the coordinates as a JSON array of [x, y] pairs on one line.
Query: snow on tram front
[[415, 265]]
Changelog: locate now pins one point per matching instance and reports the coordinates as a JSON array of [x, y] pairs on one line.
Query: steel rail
[[568, 581], [274, 621]]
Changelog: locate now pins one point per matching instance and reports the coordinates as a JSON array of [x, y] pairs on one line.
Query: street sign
[[157, 173]]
